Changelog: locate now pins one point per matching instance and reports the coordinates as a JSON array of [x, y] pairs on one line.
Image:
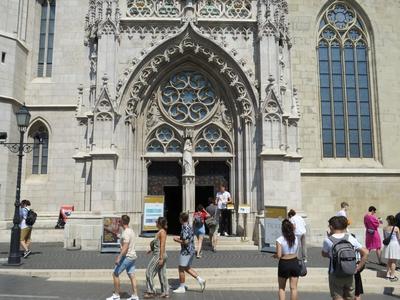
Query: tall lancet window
[[344, 83], [46, 39]]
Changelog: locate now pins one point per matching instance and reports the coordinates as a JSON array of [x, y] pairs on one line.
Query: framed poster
[[272, 226], [112, 230], [244, 209], [153, 209]]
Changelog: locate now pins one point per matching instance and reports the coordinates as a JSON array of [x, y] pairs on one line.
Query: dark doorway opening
[[173, 207], [203, 193]]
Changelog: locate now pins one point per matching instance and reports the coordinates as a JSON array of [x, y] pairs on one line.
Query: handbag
[[210, 222], [371, 231], [386, 241], [302, 267]]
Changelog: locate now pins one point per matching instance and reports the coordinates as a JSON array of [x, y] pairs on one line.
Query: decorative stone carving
[[164, 139], [188, 166], [153, 115], [272, 19], [213, 140], [188, 44], [104, 108], [150, 8], [223, 115]]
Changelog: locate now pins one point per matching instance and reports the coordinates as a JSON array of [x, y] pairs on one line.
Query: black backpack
[[344, 260], [31, 218]]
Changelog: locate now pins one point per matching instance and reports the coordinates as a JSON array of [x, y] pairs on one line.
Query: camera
[[3, 137]]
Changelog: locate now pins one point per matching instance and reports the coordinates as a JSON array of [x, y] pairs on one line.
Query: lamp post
[[23, 119]]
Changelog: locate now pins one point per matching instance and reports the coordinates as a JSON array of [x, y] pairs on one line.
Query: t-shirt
[[222, 199], [212, 209], [300, 225], [188, 236], [285, 246], [327, 245], [23, 214], [341, 213], [128, 236], [201, 214]]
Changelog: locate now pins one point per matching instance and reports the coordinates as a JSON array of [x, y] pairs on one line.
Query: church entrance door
[[173, 207]]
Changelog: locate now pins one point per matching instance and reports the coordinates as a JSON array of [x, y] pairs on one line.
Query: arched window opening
[[40, 136], [344, 84]]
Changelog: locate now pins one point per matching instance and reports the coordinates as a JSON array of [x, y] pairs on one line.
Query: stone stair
[[262, 279]]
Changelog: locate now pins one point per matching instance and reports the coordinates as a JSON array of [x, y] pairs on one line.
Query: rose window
[[188, 97]]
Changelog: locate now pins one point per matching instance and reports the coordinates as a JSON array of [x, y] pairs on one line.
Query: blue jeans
[[127, 264]]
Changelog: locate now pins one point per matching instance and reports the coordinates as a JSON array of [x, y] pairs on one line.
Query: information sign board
[[244, 209], [111, 234], [153, 209]]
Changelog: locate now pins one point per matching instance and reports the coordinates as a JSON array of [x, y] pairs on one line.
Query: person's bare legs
[[117, 284], [379, 255], [191, 272], [200, 244], [24, 245], [293, 288], [132, 277], [181, 271], [357, 298], [282, 286]]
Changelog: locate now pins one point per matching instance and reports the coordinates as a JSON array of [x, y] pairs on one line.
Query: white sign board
[[273, 230], [244, 209], [152, 211]]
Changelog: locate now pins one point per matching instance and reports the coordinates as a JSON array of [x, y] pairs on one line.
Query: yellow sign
[[153, 209], [276, 212]]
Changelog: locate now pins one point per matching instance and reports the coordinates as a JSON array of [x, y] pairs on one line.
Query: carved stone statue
[[188, 167]]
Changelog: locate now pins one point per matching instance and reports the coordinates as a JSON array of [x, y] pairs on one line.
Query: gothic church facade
[[288, 102]]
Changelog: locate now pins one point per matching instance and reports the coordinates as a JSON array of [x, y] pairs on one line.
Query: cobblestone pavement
[[15, 287], [53, 256]]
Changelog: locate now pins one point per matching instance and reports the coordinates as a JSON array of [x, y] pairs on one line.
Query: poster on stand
[[272, 226], [153, 209], [110, 241]]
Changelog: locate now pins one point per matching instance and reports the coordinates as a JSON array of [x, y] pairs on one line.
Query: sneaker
[[180, 290], [133, 298], [114, 297], [305, 261], [202, 285], [27, 253], [393, 279], [218, 234], [226, 234]]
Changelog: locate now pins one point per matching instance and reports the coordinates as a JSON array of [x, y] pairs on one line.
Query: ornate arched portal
[[189, 102]]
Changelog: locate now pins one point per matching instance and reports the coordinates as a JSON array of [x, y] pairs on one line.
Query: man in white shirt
[[125, 261], [223, 199], [343, 211], [342, 287], [300, 232]]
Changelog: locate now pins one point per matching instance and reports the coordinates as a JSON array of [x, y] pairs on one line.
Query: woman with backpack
[[199, 217], [286, 251], [391, 251]]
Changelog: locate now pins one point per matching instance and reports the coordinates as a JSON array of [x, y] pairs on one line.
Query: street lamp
[[23, 119]]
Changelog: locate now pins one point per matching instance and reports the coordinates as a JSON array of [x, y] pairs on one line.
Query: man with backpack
[[341, 248], [28, 218]]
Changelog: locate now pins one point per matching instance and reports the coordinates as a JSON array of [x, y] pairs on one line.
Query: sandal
[[149, 295], [393, 279], [164, 296]]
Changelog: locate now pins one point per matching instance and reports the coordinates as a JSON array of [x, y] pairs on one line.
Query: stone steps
[[218, 278]]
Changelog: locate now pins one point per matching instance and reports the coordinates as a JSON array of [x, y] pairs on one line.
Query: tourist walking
[[288, 268], [158, 262], [28, 218], [186, 239], [391, 252], [341, 247], [358, 285], [199, 217], [300, 232], [212, 222], [372, 237], [125, 261], [344, 207], [223, 199]]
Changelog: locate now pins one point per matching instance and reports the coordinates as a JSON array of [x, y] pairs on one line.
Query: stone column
[[188, 188]]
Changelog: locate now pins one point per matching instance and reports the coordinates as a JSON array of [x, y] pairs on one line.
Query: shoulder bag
[[386, 240]]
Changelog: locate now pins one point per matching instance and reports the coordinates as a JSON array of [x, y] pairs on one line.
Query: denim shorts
[[199, 231], [185, 261], [127, 264]]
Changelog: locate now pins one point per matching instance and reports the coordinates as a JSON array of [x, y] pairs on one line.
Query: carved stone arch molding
[[189, 42]]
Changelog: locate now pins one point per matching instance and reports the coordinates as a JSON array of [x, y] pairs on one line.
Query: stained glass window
[[344, 84], [188, 97]]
